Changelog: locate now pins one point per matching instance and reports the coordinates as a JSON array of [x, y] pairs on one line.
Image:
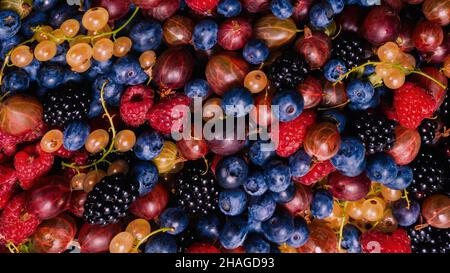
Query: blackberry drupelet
[[444, 111], [186, 239], [288, 70], [67, 103], [427, 130], [195, 191], [110, 200], [428, 175], [349, 48], [375, 131], [429, 240]]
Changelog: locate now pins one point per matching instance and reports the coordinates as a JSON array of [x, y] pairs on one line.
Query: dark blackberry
[[185, 239], [195, 191], [350, 48], [288, 70], [68, 103], [375, 131], [429, 240], [444, 111], [110, 200], [428, 174], [427, 131]]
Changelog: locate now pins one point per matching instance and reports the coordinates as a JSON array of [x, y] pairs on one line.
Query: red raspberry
[[32, 163], [412, 105], [291, 134], [135, 104], [8, 143], [8, 184], [318, 171], [16, 223], [379, 242], [165, 114], [202, 248]]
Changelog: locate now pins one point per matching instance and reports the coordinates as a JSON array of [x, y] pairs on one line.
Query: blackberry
[[375, 131], [350, 48], [196, 191], [444, 111], [110, 200], [429, 240], [68, 103], [288, 70], [185, 239], [428, 174], [427, 131]]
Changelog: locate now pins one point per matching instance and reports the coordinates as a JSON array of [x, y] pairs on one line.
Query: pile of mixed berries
[[351, 152]]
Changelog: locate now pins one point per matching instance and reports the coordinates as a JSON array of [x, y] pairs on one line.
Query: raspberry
[[135, 104]]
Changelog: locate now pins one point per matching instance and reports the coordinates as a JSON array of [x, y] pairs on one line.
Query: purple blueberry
[[261, 208], [232, 202]]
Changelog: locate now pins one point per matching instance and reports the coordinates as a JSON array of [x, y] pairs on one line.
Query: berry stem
[[5, 63], [113, 131], [114, 32], [405, 196], [150, 235], [341, 228]]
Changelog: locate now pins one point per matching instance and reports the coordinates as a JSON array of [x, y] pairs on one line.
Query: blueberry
[[255, 52], [336, 5], [254, 225], [95, 109], [72, 76], [61, 13], [301, 233], [33, 20], [231, 172], [237, 102], [101, 68], [198, 88], [360, 91], [146, 35], [128, 71], [381, 168], [208, 227], [255, 185], [300, 163], [403, 180], [322, 204], [351, 154], [369, 3], [148, 145], [406, 216], [15, 81], [282, 9], [336, 117], [284, 196], [111, 89], [372, 103], [51, 75], [175, 218], [161, 243], [75, 135], [9, 24], [7, 45], [146, 174], [290, 105], [44, 5], [232, 202], [279, 228], [321, 15], [278, 176], [261, 208], [205, 34], [256, 244], [351, 239], [61, 52], [233, 233], [229, 8], [260, 153], [334, 69], [369, 70]]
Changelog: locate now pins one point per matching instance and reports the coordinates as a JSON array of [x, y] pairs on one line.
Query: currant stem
[[405, 196], [341, 228], [150, 235]]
